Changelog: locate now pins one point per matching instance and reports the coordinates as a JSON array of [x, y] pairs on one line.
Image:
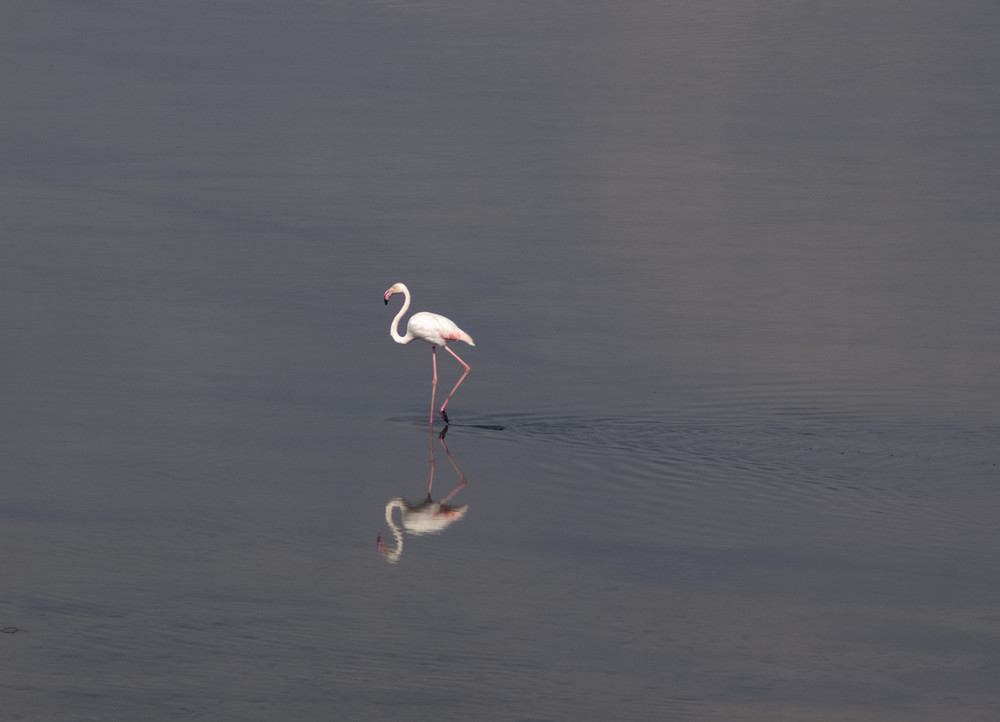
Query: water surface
[[730, 437]]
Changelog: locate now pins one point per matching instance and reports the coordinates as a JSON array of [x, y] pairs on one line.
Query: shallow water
[[730, 439]]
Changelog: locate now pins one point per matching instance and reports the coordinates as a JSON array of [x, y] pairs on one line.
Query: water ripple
[[836, 478]]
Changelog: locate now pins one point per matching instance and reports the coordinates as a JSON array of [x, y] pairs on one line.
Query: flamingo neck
[[392, 555], [396, 503], [393, 327]]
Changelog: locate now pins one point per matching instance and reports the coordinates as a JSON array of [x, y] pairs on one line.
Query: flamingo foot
[[444, 415]]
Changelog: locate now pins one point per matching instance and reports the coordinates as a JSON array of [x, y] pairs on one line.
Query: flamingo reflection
[[427, 517]]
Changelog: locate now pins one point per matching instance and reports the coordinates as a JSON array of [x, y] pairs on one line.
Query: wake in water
[[707, 480]]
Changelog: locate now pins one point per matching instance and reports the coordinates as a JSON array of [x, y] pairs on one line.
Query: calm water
[[731, 435]]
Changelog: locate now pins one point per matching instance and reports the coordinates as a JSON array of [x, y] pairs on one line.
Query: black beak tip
[[387, 302]]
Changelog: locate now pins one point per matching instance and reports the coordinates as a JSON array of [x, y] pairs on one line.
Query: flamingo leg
[[430, 484], [444, 415], [454, 464], [434, 381]]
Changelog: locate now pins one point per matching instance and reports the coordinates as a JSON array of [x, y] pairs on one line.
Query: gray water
[[730, 439]]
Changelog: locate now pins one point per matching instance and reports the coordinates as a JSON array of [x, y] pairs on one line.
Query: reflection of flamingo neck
[[392, 555]]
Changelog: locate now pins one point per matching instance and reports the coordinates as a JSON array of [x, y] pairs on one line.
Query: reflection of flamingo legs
[[428, 517], [458, 471]]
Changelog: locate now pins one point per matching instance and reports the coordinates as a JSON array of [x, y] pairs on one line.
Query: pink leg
[[444, 415], [461, 476], [434, 381]]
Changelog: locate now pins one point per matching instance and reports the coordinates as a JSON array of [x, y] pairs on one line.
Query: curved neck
[[392, 555], [396, 503], [393, 327]]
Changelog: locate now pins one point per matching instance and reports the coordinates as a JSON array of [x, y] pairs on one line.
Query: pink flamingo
[[435, 330], [427, 517]]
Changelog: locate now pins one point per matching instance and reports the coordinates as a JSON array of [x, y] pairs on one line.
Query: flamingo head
[[393, 289], [390, 554]]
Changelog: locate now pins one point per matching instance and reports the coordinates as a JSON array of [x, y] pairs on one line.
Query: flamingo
[[427, 517], [435, 330]]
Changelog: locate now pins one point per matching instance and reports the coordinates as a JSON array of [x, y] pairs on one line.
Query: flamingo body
[[428, 517], [436, 330]]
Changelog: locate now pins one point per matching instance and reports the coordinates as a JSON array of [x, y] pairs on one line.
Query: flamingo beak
[[388, 295]]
